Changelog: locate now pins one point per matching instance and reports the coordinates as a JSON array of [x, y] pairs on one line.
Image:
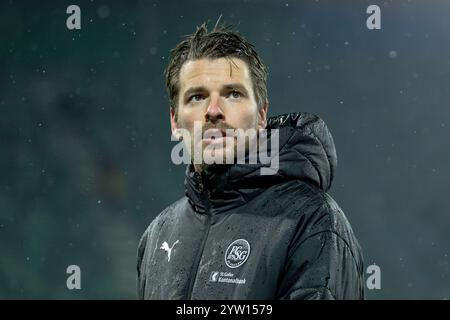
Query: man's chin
[[210, 168], [219, 156]]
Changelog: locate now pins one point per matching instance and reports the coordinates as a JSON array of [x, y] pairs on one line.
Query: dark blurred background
[[85, 137]]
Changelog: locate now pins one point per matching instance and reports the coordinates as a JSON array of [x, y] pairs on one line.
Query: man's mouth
[[215, 136]]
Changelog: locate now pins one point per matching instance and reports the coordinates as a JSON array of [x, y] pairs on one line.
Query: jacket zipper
[[199, 255]]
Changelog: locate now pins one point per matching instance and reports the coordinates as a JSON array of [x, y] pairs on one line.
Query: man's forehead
[[202, 72]]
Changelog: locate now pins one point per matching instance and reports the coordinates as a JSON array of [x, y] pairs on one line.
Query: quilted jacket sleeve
[[324, 261]]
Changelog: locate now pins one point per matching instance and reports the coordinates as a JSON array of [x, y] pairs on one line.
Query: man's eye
[[196, 98], [235, 94]]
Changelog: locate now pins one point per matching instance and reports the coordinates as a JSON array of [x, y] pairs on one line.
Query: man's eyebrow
[[194, 90], [235, 86], [227, 87]]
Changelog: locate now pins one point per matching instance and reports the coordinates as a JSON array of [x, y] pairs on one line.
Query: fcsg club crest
[[237, 253]]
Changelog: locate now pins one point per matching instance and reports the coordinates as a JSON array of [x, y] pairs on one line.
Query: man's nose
[[214, 112]]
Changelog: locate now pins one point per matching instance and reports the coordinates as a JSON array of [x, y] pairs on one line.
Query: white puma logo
[[165, 246]]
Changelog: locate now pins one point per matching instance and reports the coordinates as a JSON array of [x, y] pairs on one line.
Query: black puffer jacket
[[241, 235]]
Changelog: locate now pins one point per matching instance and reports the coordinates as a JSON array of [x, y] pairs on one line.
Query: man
[[238, 233]]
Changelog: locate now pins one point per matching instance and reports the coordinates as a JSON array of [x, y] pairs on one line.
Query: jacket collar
[[306, 152]]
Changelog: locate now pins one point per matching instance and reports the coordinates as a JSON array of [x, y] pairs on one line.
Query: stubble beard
[[207, 167]]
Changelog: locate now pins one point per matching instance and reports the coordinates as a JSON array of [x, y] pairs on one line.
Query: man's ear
[[174, 125], [262, 116]]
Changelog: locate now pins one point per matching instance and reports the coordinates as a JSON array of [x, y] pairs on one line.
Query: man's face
[[217, 93]]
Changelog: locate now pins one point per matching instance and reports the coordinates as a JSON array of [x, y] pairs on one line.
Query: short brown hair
[[221, 42]]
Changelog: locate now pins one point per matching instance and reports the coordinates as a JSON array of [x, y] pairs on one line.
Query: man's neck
[[208, 168], [199, 168]]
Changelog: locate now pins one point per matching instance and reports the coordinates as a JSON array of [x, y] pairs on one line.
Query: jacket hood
[[306, 152]]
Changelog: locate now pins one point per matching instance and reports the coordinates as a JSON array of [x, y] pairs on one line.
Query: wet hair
[[220, 42]]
